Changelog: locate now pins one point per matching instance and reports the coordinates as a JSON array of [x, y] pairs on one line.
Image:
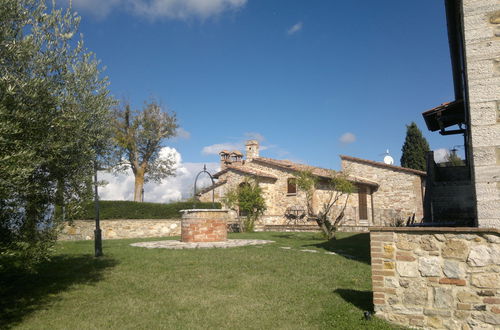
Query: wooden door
[[363, 203]]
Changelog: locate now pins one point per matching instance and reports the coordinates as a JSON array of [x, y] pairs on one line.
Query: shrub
[[135, 210], [248, 199]]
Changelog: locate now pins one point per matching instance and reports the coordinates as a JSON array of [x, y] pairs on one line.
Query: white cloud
[[121, 186], [182, 133], [260, 138], [347, 138], [295, 28], [282, 153], [441, 155], [154, 9], [98, 8], [214, 149], [255, 136]]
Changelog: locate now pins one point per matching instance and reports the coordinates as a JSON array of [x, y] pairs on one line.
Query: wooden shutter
[[292, 186]]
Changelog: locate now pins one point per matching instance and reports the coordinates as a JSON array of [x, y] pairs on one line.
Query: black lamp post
[[97, 231]]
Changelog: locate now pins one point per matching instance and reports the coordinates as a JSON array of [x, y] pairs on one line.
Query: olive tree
[[54, 110], [140, 136], [337, 190]]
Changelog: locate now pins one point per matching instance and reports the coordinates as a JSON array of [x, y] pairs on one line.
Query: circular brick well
[[204, 225]]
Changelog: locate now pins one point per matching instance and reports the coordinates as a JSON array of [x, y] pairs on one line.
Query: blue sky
[[311, 79]]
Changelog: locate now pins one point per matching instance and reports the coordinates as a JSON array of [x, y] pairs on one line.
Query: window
[[291, 186]]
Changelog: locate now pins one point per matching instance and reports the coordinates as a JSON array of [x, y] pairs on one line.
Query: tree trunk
[[328, 229], [139, 185], [314, 202]]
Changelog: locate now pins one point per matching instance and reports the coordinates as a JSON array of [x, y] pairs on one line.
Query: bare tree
[[337, 186], [139, 136]]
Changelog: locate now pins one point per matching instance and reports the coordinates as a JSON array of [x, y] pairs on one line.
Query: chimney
[[224, 159], [236, 157], [252, 148]]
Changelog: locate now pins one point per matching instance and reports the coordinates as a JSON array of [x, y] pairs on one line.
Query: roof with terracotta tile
[[442, 106], [213, 186], [246, 170], [286, 164], [445, 115], [383, 165], [233, 152], [318, 171]]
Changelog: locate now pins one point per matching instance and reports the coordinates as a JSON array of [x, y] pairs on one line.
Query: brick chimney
[[224, 159], [252, 149]]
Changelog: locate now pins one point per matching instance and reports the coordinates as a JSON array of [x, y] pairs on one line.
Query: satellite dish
[[388, 159]]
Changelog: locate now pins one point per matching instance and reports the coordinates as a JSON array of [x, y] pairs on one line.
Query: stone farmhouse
[[385, 193]]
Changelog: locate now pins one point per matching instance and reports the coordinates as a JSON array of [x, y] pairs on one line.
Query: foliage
[[415, 149], [54, 112], [134, 210], [248, 199], [139, 135], [230, 199], [454, 160], [337, 187], [396, 221]]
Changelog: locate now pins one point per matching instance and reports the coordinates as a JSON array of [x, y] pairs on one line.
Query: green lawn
[[264, 287]]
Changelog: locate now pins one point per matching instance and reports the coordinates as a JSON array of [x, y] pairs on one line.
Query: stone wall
[[481, 19], [123, 228], [398, 197], [274, 192], [445, 278], [278, 200], [399, 194]]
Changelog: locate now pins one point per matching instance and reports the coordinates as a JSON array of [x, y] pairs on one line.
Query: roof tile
[[246, 170], [318, 171], [380, 164]]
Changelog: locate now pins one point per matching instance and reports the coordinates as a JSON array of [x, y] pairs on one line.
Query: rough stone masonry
[[481, 21], [447, 278], [121, 228]]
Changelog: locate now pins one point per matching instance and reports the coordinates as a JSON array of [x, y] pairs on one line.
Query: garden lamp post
[[97, 231]]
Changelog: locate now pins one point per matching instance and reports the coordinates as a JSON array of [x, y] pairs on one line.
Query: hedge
[[135, 210]]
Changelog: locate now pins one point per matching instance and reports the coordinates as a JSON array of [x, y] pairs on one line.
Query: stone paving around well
[[176, 245]]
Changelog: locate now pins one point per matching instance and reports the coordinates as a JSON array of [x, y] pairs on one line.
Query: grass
[[264, 287]]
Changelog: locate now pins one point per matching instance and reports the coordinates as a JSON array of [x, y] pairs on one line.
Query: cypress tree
[[414, 149]]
